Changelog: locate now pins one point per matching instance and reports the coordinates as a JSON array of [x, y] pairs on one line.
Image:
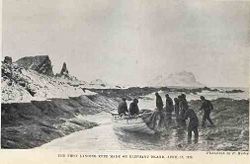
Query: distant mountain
[[184, 78]]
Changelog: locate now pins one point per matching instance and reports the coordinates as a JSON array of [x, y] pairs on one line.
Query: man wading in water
[[169, 107], [193, 125], [159, 106], [183, 106], [207, 106], [159, 102], [176, 110]]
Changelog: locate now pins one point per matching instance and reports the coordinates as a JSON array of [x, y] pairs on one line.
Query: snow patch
[[44, 88]]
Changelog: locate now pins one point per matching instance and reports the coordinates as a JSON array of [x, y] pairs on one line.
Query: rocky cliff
[[41, 64]]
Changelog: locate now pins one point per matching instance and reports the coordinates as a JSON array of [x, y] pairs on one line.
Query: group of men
[[182, 112], [181, 109]]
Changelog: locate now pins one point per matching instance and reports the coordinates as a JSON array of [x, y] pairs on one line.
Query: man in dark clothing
[[207, 106], [159, 102], [169, 107], [122, 107], [176, 109], [159, 106], [193, 125], [133, 107], [183, 106]]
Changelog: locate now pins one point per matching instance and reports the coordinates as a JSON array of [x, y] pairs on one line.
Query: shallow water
[[105, 137]]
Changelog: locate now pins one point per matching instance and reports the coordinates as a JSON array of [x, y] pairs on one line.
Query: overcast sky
[[131, 42]]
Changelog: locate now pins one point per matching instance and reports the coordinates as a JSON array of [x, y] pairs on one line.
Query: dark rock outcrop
[[10, 71], [64, 70], [8, 60], [41, 64], [12, 75], [64, 73], [6, 68]]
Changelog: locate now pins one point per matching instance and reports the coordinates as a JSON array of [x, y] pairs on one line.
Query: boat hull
[[132, 125]]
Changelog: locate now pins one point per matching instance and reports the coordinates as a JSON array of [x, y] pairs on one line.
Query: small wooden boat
[[131, 124]]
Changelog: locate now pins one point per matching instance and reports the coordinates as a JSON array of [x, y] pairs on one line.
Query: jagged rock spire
[[64, 70]]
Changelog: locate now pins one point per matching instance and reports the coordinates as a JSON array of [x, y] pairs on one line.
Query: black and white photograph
[[125, 75]]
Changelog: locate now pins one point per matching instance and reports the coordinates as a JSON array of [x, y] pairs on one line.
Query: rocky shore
[[39, 106], [28, 125]]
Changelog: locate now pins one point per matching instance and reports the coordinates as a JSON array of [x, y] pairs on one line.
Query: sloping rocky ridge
[[23, 84], [28, 125], [26, 80]]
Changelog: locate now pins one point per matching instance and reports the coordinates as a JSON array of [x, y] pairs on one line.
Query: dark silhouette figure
[[159, 102], [207, 106], [183, 106], [193, 125], [133, 107], [176, 110], [122, 107], [169, 107]]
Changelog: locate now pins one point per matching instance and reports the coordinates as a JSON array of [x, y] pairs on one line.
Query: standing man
[[183, 106], [122, 107], [193, 125], [169, 107], [159, 106], [207, 106], [159, 102], [176, 110]]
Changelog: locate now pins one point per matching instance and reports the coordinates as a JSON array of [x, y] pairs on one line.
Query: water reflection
[[180, 135], [140, 141], [172, 139]]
